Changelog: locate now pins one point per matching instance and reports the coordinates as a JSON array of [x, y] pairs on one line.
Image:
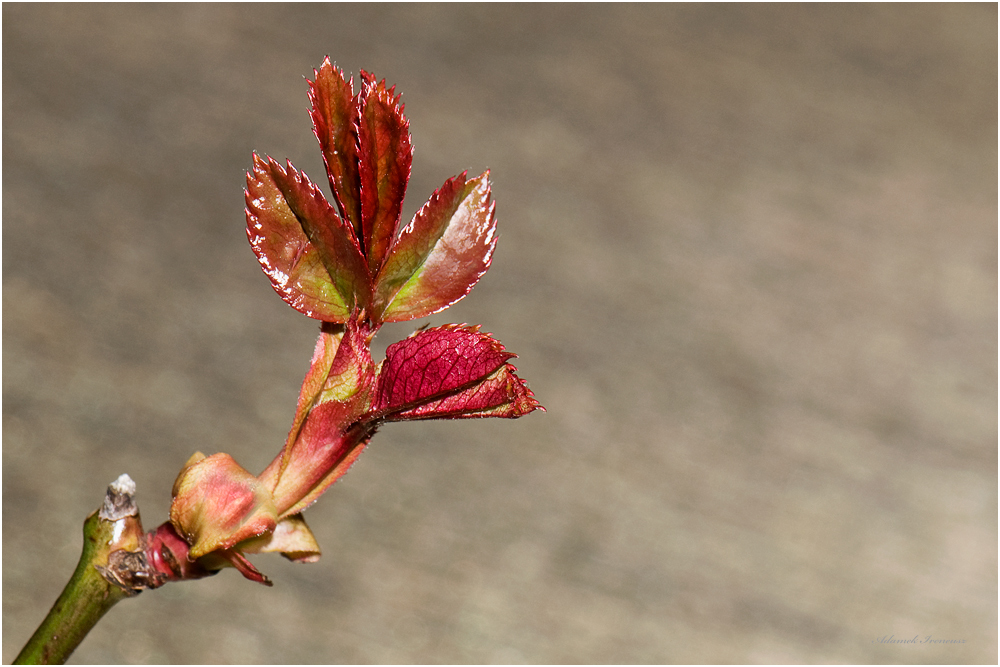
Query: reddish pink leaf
[[288, 258], [384, 157], [328, 451], [352, 374], [316, 378], [434, 363], [333, 238], [441, 255], [302, 244], [335, 122], [502, 394], [324, 440]]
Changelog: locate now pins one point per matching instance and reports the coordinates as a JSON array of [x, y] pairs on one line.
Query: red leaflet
[[441, 255], [502, 394], [335, 124], [328, 233], [384, 157], [305, 248], [450, 371]]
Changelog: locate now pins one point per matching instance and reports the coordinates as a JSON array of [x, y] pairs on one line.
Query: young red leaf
[[316, 378], [352, 373], [325, 451], [434, 363], [384, 157], [502, 394], [297, 237], [328, 232], [323, 439], [440, 256], [335, 121]]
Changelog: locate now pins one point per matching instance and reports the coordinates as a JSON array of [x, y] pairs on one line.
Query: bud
[[217, 504]]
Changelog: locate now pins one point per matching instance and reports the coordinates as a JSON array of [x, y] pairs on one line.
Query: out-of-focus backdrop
[[748, 259]]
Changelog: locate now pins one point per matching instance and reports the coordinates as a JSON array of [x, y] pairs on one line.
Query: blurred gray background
[[748, 259]]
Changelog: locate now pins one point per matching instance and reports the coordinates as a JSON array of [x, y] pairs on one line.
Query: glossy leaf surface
[[328, 232], [384, 158], [334, 113], [440, 256], [501, 394], [435, 364], [302, 244]]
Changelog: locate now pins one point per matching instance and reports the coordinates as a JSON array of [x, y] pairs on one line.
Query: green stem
[[112, 539]]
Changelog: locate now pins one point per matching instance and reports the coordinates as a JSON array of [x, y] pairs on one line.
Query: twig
[[112, 567]]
